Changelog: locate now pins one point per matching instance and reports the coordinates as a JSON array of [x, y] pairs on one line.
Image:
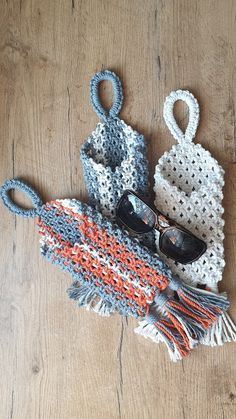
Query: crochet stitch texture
[[188, 188], [114, 155], [124, 276]]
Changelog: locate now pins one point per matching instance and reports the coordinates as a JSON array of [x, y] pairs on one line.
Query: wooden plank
[[58, 361]]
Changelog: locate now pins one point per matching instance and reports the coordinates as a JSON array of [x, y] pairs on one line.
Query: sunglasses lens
[[181, 246], [135, 214]]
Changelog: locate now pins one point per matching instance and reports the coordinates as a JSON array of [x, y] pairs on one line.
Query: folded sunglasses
[[175, 241]]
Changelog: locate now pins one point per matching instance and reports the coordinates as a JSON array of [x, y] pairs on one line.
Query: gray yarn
[[114, 155], [176, 283], [161, 298], [23, 187]]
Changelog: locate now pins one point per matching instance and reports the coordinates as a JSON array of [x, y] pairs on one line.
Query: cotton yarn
[[114, 155], [113, 272], [188, 188]]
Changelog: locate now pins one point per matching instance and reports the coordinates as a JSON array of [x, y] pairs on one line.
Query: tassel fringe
[[222, 331], [205, 306], [182, 324], [168, 325], [86, 297], [161, 332], [185, 323], [179, 324], [183, 320]]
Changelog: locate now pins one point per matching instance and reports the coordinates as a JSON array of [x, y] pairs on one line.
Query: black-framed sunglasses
[[175, 241]]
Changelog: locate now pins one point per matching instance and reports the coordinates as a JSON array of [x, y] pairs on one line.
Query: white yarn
[[149, 331], [114, 159], [188, 188]]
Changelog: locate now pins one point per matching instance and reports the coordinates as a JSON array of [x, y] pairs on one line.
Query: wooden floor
[[57, 361]]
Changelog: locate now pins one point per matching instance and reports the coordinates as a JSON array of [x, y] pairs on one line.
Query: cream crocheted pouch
[[188, 188]]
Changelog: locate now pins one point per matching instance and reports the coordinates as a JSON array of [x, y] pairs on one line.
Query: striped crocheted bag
[[115, 273]]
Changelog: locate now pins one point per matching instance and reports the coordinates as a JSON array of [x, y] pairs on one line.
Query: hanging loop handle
[[23, 187], [94, 94], [170, 120]]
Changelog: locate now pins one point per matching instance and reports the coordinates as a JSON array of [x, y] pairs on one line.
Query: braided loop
[[94, 94], [170, 120], [23, 187]]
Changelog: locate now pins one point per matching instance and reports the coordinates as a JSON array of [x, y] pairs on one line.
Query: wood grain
[[56, 361]]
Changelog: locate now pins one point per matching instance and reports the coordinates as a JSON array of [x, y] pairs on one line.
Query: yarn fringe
[[222, 331], [203, 306], [86, 297], [167, 322], [182, 323], [206, 306], [189, 318], [163, 332]]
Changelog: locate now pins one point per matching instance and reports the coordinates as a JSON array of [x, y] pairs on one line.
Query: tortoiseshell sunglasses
[[175, 241]]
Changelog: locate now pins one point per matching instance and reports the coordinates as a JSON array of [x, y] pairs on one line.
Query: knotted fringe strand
[[86, 297], [170, 322], [180, 319], [185, 321], [205, 307], [161, 330], [222, 331]]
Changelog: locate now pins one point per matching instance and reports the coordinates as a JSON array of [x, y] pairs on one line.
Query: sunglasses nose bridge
[[162, 223], [158, 227]]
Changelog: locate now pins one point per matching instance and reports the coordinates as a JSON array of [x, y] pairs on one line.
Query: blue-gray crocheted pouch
[[114, 155]]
